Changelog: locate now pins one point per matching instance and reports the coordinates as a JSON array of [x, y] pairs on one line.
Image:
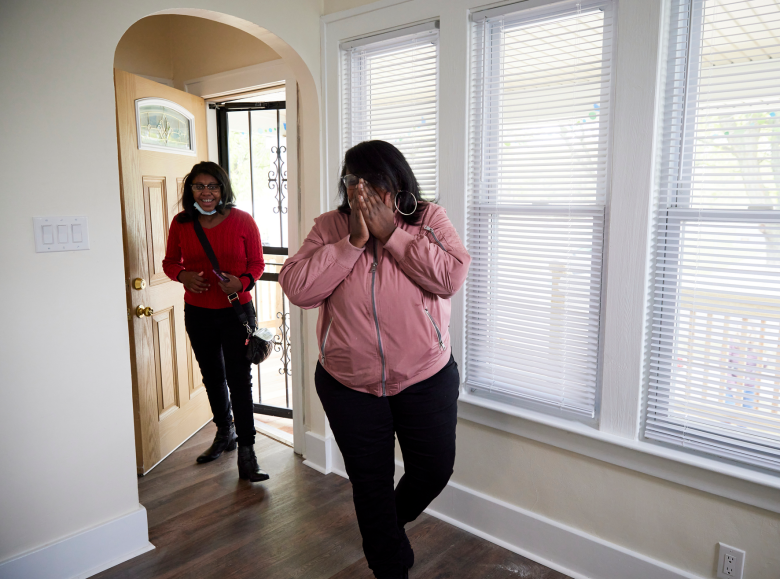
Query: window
[[714, 357], [164, 126], [538, 192], [390, 93]]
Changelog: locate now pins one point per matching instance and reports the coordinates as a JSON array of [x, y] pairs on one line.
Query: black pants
[[218, 341], [423, 416]]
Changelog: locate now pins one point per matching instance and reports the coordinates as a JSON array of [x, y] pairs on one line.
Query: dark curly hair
[[385, 167], [187, 200]]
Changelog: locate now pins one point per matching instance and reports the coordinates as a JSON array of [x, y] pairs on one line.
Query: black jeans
[[218, 341], [423, 416]]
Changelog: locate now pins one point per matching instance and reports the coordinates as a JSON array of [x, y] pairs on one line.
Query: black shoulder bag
[[259, 341]]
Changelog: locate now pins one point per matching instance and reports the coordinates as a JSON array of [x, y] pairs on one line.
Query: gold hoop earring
[[396, 204]]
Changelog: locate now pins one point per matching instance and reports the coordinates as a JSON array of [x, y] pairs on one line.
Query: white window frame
[[424, 32], [679, 213], [552, 10], [636, 94]]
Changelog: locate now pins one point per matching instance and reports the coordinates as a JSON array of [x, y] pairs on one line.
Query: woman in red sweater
[[217, 336]]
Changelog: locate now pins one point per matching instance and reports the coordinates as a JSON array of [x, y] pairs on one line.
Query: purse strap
[[232, 298]]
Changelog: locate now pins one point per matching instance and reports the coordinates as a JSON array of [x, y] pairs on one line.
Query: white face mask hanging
[[202, 212]]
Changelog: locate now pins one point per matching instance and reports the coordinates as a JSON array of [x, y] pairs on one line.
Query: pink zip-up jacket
[[384, 309]]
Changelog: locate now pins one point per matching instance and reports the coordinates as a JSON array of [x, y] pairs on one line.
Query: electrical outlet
[[731, 562]]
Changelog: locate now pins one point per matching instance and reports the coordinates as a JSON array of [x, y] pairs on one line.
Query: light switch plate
[[60, 233]]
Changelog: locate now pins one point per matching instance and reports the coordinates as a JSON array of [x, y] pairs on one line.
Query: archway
[[306, 179]]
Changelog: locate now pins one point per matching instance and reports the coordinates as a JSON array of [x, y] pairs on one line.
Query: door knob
[[141, 311], [139, 283]]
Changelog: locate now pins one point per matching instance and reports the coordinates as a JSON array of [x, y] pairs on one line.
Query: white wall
[[601, 482], [331, 6], [66, 426], [65, 402], [667, 522]]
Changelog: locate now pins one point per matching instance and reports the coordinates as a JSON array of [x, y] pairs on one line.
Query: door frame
[[217, 87], [223, 129]]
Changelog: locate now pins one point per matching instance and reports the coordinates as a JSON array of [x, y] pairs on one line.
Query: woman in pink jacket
[[382, 269]]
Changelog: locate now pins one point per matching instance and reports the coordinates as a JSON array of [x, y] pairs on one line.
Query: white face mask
[[202, 212]]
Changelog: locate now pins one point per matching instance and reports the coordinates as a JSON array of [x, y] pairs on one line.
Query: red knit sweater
[[236, 243]]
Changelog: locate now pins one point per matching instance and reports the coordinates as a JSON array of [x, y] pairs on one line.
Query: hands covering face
[[372, 212]]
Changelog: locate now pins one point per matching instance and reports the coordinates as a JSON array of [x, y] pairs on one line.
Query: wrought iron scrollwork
[[277, 179], [282, 343]]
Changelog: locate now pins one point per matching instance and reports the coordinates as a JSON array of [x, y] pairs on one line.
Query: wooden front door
[[169, 399]]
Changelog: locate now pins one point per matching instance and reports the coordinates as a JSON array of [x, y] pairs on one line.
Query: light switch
[[48, 234], [59, 233]]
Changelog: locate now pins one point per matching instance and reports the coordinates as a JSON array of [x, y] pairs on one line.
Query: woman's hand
[[232, 286], [377, 210], [194, 282], [358, 231]]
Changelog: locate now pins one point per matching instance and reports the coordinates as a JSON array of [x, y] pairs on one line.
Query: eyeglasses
[[210, 186], [350, 181]]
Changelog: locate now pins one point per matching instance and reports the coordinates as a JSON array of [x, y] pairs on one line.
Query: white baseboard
[[337, 461], [548, 542], [85, 554], [553, 544], [323, 455], [317, 453]]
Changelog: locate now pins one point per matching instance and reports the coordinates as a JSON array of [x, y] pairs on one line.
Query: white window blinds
[[390, 93], [715, 351], [537, 195]]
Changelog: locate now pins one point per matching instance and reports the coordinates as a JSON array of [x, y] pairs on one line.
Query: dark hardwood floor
[[206, 523]]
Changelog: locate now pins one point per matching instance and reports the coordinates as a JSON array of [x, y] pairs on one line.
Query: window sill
[[755, 488]]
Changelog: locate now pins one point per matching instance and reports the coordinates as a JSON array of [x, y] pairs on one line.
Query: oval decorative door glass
[[164, 126]]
